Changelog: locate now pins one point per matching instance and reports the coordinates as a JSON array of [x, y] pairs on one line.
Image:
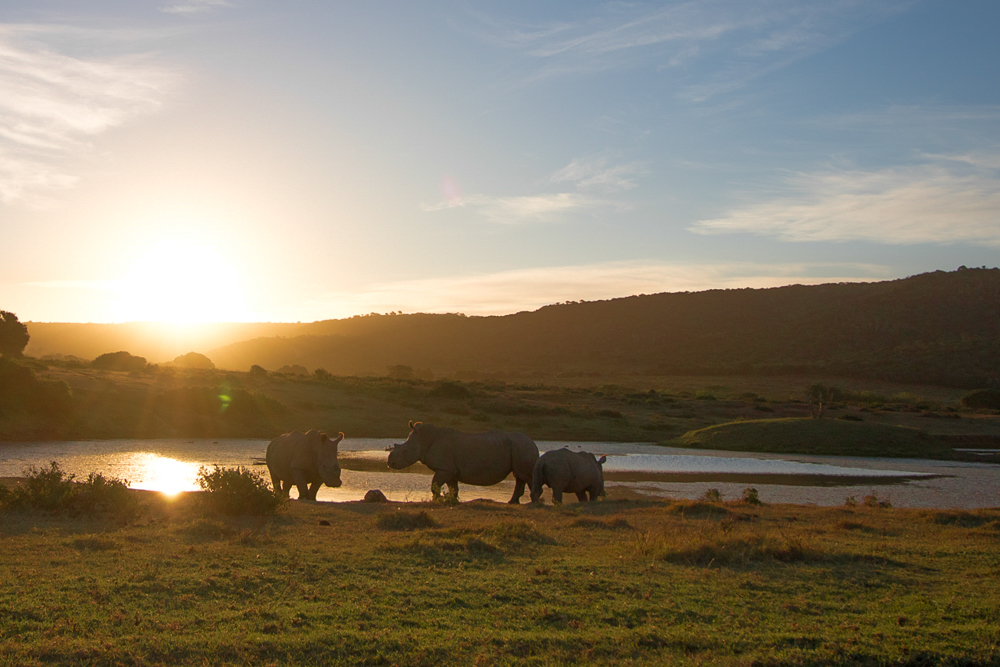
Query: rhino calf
[[305, 460], [565, 471]]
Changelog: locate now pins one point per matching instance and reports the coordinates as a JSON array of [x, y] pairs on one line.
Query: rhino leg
[[439, 480], [556, 496], [299, 477], [518, 491], [314, 489], [582, 496]]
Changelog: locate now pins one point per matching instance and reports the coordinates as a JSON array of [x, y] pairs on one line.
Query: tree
[[13, 335], [820, 394]]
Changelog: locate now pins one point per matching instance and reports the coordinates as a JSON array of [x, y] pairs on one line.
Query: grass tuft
[[403, 520]]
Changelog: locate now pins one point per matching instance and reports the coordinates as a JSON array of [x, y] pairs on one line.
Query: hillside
[[938, 328], [935, 328]]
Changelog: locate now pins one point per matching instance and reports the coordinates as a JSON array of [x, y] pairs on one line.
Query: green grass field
[[622, 582]]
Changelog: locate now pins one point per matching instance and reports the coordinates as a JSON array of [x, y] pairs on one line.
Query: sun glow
[[180, 282]]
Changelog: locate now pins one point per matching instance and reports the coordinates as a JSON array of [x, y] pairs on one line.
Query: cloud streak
[[595, 174], [195, 7], [931, 203], [53, 105], [730, 42], [521, 209]]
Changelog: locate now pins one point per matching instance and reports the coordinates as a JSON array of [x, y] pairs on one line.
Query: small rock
[[324, 522], [375, 496]]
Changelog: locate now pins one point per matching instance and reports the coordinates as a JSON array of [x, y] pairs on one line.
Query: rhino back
[[481, 459], [290, 451]]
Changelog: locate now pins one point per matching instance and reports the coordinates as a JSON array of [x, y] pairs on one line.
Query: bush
[[750, 496], [712, 496], [119, 361], [984, 399], [46, 488], [105, 494], [450, 390], [238, 491], [52, 489]]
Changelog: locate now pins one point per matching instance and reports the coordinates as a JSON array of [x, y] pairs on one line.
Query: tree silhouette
[[13, 335], [820, 394]]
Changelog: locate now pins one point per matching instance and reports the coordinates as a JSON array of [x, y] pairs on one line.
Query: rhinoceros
[[307, 460], [565, 471], [481, 459]]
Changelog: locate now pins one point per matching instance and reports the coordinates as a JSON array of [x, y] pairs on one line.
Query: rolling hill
[[935, 328]]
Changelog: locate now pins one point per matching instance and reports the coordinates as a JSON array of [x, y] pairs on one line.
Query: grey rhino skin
[[307, 460], [481, 459], [565, 471]]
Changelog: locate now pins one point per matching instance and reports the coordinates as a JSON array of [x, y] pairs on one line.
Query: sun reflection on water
[[160, 473]]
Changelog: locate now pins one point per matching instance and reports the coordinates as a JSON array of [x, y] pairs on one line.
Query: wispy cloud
[[734, 41], [596, 174], [195, 6], [52, 105], [930, 203], [521, 209], [529, 289]]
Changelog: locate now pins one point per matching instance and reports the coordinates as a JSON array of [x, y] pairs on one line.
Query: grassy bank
[[833, 437], [166, 403], [481, 583]]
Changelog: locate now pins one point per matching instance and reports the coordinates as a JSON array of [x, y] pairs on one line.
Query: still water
[[632, 470]]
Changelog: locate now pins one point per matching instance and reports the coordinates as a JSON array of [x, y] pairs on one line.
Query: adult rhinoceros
[[565, 471], [307, 460], [481, 459]]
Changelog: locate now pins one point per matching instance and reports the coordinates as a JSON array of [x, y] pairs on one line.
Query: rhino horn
[[341, 437]]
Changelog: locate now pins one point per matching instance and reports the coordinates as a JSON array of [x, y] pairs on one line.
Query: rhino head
[[327, 464], [408, 453]]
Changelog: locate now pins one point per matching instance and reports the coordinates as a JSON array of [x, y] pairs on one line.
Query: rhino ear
[[601, 460]]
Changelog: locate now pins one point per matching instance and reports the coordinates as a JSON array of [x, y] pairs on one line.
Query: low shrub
[[238, 491], [750, 496], [872, 500], [712, 496], [52, 489], [46, 488], [105, 494]]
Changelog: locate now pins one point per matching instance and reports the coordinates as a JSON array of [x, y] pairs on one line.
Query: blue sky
[[203, 160]]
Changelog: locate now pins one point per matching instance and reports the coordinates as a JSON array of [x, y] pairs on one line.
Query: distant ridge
[[934, 328]]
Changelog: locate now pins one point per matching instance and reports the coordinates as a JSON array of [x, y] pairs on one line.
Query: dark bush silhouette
[[119, 361], [13, 335], [238, 491], [52, 489], [23, 393], [450, 390], [258, 371], [984, 399], [192, 360]]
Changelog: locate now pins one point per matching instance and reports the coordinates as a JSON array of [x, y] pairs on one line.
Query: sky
[[240, 160]]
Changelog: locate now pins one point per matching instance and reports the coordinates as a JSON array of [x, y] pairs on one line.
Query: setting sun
[[180, 282]]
